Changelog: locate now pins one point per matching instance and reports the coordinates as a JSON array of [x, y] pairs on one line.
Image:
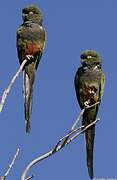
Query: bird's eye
[[31, 12]]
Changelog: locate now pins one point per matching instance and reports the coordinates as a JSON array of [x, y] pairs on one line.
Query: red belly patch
[[32, 48], [89, 94]]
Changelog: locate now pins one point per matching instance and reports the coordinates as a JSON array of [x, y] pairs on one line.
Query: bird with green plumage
[[31, 37], [89, 85]]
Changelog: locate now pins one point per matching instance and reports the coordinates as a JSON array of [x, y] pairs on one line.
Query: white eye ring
[[89, 57], [31, 12]]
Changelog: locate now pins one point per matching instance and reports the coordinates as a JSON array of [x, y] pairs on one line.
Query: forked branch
[[74, 132]]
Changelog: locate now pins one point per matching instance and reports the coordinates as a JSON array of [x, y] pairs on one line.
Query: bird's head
[[32, 13], [90, 58]]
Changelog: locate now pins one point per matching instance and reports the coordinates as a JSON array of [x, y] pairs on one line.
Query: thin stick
[[77, 134], [51, 152], [87, 107], [77, 121], [71, 133], [11, 164], [81, 113], [83, 130], [7, 90], [63, 139], [30, 177]]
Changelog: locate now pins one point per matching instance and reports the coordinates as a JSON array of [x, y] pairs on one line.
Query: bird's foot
[[29, 57], [86, 103]]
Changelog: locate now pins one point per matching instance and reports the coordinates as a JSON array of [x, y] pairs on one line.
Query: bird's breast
[[32, 48]]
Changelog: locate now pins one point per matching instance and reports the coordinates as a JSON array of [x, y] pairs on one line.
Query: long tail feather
[[28, 95], [89, 135], [88, 117]]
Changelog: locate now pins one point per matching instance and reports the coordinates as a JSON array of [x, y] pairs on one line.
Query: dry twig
[[10, 165], [30, 177], [62, 142], [77, 121], [7, 90]]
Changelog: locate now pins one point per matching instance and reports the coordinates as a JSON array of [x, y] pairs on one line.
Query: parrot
[[30, 38], [89, 86]]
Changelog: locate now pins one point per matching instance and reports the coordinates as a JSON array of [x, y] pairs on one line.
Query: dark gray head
[[90, 57], [32, 13]]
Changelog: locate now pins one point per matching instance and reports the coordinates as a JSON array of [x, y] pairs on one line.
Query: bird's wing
[[102, 84], [78, 87]]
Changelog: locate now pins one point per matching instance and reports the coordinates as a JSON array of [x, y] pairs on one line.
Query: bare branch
[[7, 90], [30, 177], [60, 144], [81, 113], [11, 165], [77, 120], [82, 131], [64, 139]]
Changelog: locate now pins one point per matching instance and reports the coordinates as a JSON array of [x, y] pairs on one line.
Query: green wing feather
[[102, 84]]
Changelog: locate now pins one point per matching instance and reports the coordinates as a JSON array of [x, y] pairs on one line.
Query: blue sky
[[72, 26]]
